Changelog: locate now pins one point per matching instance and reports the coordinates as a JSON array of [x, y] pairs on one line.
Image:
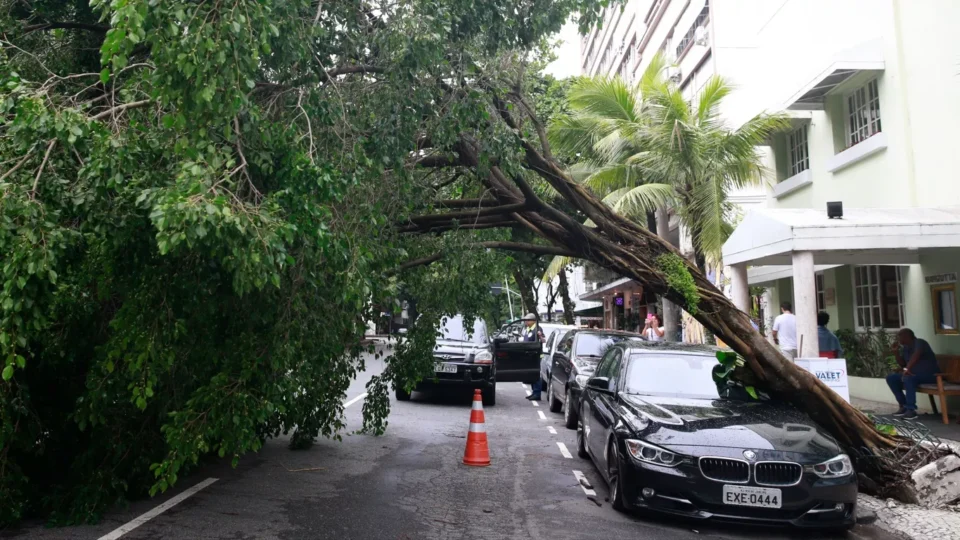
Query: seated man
[[918, 366]]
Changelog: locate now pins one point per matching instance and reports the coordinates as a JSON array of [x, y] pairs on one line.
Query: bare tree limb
[[66, 26], [121, 108], [508, 246], [19, 163], [467, 203], [46, 156], [467, 214]]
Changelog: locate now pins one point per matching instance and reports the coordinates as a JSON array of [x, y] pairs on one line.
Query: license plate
[[446, 368], [751, 496]]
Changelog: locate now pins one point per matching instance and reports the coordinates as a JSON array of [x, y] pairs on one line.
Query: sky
[[567, 63]]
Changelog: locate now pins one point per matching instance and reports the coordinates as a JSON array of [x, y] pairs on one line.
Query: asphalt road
[[409, 484]]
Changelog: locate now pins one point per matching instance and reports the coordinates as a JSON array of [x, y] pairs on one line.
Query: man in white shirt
[[785, 331]]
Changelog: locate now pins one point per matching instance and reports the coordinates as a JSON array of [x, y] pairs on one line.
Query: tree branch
[[467, 203], [121, 108], [323, 76], [46, 156], [467, 214], [508, 246], [66, 26]]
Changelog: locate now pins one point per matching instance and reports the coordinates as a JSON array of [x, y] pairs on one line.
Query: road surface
[[407, 484]]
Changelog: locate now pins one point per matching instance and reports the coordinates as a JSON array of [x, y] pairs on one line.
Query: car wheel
[[615, 479], [489, 395], [570, 415], [552, 400], [402, 395], [582, 441]]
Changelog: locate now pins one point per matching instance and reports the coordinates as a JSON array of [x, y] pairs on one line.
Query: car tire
[[582, 441], [570, 415], [615, 476], [402, 395], [489, 395], [552, 400]]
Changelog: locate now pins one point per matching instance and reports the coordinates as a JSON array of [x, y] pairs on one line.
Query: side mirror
[[500, 339], [599, 383]]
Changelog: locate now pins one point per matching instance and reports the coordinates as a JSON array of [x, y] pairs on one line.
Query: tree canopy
[[200, 202]]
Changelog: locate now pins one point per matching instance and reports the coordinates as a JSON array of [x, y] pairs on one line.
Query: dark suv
[[463, 358]]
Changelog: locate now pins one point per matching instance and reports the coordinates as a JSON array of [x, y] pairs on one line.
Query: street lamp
[[496, 288]]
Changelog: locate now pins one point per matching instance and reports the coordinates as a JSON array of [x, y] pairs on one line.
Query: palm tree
[[645, 147]]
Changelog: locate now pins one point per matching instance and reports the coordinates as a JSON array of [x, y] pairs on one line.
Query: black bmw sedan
[[655, 427]]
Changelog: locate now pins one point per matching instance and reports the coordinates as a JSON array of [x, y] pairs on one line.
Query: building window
[[632, 53], [821, 291], [799, 151], [945, 309], [687, 40], [878, 297], [863, 113]]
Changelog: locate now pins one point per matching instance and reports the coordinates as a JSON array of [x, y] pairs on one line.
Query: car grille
[[725, 470], [777, 473]]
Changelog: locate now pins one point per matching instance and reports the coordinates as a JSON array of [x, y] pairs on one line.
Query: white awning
[[769, 236], [867, 57]]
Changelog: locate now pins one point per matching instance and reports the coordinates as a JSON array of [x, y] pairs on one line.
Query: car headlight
[[648, 453], [837, 467], [483, 357], [582, 380]]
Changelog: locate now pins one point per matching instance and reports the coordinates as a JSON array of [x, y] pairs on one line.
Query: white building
[[874, 88]]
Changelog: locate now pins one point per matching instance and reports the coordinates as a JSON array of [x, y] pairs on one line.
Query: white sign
[[937, 279], [831, 372]]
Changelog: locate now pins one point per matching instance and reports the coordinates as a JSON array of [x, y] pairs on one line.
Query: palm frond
[[556, 266], [609, 98], [635, 202]]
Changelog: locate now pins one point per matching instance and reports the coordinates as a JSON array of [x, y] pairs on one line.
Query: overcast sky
[[567, 63]]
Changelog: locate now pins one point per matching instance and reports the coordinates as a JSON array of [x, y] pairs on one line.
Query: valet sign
[[831, 372]]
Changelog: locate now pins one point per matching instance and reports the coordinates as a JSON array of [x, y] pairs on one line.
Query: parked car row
[[650, 418]]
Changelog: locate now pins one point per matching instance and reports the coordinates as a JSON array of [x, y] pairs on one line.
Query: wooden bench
[[948, 384]]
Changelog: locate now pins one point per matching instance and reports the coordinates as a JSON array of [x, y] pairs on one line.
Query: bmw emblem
[[750, 455]]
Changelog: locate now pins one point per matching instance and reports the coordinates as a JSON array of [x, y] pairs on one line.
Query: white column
[[740, 289], [805, 294]]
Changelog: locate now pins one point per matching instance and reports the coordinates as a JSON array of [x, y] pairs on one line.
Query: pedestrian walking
[[785, 331]]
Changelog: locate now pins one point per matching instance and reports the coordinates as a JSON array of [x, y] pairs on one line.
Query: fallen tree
[[631, 250]]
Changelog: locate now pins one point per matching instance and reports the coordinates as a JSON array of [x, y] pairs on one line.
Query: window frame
[[798, 151], [935, 307], [820, 283], [874, 287], [864, 130]]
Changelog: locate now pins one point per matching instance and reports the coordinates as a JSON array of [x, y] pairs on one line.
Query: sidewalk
[[910, 520]]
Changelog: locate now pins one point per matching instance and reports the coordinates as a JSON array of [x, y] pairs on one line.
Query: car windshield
[[454, 329], [596, 344], [674, 375]]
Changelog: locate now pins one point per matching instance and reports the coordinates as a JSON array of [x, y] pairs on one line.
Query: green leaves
[[7, 373]]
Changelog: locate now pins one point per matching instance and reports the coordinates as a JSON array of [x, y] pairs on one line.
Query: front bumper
[[683, 491], [480, 376]]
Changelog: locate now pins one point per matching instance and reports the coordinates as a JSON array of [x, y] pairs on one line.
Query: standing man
[[532, 332], [918, 366], [828, 340], [785, 331]]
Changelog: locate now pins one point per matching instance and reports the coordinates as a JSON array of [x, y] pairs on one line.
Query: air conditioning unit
[[674, 74], [701, 37]]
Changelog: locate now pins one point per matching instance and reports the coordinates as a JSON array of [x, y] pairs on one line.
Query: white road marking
[[535, 403], [551, 430], [528, 391], [542, 416], [581, 479], [523, 385], [124, 529], [564, 451], [354, 400]]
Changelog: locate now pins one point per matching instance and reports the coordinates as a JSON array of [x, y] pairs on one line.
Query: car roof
[[606, 332], [660, 347]]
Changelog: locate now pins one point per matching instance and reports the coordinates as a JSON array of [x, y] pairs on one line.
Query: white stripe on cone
[[477, 405], [477, 428]]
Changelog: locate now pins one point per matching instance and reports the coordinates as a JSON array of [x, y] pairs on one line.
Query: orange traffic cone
[[477, 454]]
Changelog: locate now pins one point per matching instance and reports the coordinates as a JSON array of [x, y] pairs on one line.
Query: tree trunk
[[671, 313], [525, 287], [568, 307], [632, 251]]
